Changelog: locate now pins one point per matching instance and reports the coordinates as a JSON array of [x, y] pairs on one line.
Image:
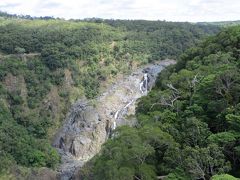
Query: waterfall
[[144, 84], [115, 118], [125, 107], [114, 125], [120, 112], [116, 115]]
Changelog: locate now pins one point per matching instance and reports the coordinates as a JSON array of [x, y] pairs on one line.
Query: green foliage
[[222, 138], [6, 161], [223, 177], [162, 39], [130, 153], [204, 162], [177, 174], [53, 56], [17, 144], [19, 50]]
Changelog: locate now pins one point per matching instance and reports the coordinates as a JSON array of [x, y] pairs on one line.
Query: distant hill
[[221, 23], [7, 15]]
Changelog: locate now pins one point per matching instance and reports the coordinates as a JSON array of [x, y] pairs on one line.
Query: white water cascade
[[120, 112], [144, 84]]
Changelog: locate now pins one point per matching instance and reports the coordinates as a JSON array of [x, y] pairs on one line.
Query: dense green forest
[[221, 23], [46, 64], [188, 125]]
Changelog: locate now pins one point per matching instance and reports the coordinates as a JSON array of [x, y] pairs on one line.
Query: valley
[[105, 99]]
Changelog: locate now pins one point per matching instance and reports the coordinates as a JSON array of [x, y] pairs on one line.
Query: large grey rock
[[80, 138]]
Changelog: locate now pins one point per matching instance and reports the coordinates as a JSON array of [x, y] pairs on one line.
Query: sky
[[169, 10]]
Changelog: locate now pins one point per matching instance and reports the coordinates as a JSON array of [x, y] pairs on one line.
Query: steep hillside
[[46, 65], [188, 125]]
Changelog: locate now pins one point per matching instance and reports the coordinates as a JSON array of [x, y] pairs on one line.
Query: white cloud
[[171, 10]]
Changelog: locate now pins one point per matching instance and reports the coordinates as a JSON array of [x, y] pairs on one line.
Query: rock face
[[80, 137], [86, 127]]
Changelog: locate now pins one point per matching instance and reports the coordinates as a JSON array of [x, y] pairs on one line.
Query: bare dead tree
[[175, 93], [192, 85], [170, 100], [170, 86], [194, 81], [224, 84]]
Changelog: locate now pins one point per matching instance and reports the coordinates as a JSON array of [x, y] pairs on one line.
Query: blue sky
[[170, 10]]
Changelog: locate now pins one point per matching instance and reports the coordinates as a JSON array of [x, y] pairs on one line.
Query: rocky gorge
[[89, 124]]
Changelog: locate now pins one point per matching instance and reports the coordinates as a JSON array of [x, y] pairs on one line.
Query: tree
[[194, 132], [126, 151], [204, 162], [53, 56], [20, 50], [223, 177]]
